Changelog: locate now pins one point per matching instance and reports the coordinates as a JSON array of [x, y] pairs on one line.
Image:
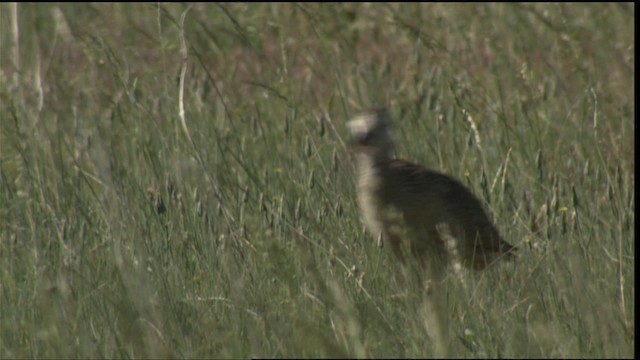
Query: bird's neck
[[365, 161], [370, 167]]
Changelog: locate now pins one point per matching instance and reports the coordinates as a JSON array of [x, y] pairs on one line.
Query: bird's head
[[370, 133]]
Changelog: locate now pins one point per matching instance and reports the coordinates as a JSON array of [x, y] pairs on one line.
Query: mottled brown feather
[[396, 194]]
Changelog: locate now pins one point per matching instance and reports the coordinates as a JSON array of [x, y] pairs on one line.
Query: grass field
[[174, 179]]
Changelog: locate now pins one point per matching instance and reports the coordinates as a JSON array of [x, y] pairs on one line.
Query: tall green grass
[[128, 229]]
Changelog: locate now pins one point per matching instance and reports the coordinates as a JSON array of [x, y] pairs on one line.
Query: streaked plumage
[[409, 204]]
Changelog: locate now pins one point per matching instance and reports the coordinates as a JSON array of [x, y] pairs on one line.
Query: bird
[[401, 194], [428, 219]]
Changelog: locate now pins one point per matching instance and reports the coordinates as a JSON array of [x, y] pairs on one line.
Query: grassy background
[[129, 230]]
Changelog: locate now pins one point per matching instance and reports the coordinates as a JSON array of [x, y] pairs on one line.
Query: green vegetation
[[130, 229]]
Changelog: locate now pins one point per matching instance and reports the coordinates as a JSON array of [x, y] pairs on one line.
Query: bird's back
[[427, 199]]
